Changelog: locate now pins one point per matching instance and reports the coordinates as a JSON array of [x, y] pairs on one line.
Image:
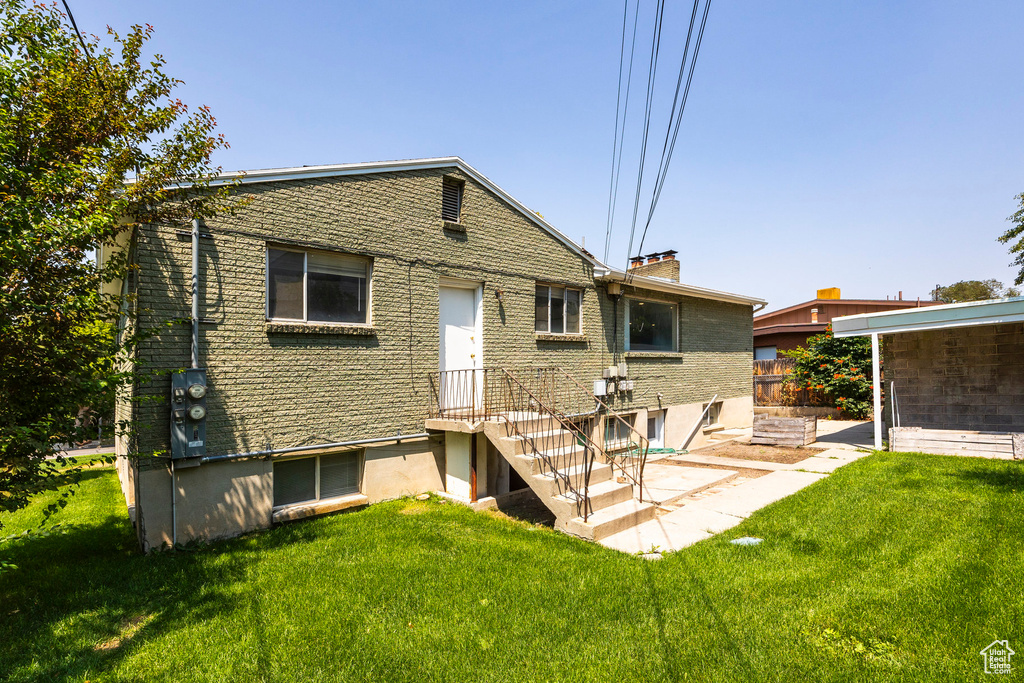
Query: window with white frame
[[306, 480], [650, 325], [557, 310], [317, 286]]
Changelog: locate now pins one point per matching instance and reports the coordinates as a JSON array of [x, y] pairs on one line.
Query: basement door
[[460, 344]]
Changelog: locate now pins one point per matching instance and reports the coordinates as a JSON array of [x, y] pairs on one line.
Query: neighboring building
[[327, 307], [951, 371], [788, 328]]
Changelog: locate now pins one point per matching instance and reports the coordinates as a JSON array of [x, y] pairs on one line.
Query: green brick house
[[367, 329]]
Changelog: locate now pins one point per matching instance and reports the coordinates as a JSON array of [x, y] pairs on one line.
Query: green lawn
[[897, 568]]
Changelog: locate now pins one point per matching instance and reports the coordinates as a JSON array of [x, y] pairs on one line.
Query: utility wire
[[85, 46], [675, 97], [651, 76], [618, 100], [660, 184]]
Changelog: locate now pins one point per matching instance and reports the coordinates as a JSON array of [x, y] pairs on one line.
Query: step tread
[[614, 512], [598, 489], [569, 471]]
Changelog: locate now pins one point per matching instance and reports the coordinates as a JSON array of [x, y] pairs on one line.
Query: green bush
[[841, 368]]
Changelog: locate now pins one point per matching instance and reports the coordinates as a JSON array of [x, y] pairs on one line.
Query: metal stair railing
[[560, 451], [628, 454], [553, 414]]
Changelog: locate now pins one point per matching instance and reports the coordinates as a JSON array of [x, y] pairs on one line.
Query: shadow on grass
[[80, 599], [1007, 479]]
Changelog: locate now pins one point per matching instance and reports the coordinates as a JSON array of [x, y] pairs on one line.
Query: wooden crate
[[784, 431], [1000, 445]]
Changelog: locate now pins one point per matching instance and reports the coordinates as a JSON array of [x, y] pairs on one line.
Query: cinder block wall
[[969, 378]]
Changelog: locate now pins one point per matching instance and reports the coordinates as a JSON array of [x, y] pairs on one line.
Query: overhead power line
[[674, 126], [613, 186], [651, 79], [684, 80]]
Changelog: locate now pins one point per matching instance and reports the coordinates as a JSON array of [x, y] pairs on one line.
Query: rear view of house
[[369, 331]]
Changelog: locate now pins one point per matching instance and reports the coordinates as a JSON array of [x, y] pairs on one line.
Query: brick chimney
[[661, 264]]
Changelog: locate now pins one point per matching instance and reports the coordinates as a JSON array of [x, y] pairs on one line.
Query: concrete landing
[[667, 483], [750, 496], [828, 461], [720, 461], [715, 512]]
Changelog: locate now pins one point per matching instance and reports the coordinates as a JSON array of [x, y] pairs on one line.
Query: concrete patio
[[695, 503]]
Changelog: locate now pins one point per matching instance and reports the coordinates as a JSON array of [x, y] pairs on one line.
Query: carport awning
[[993, 312], [970, 314]]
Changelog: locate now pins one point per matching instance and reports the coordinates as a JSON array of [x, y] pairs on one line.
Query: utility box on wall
[[188, 413]]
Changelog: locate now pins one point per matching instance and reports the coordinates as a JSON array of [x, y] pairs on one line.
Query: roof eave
[[272, 175], [659, 285], [948, 316]]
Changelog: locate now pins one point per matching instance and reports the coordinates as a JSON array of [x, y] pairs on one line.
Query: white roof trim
[[969, 314], [272, 175], [658, 284]]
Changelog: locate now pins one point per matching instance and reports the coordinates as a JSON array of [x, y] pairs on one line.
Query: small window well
[[451, 200]]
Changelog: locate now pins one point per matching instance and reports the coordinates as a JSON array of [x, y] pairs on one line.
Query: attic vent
[[451, 200]]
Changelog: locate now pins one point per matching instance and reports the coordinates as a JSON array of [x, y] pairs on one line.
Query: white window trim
[[316, 477], [563, 333], [675, 324], [305, 292]]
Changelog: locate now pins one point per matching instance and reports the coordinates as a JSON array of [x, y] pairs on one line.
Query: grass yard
[[897, 568]]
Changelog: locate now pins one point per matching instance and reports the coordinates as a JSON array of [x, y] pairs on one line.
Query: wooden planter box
[[1000, 445], [784, 431]]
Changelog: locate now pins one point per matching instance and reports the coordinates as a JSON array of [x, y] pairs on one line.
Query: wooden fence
[[769, 381]]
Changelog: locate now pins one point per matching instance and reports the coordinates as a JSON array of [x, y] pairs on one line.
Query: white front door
[[460, 344]]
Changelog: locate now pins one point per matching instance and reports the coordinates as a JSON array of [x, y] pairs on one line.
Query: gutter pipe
[[299, 449], [195, 364]]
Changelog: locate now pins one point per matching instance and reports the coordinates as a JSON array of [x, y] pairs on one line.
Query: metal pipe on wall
[[299, 449], [195, 292]]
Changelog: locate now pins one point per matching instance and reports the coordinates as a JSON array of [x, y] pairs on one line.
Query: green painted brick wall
[[279, 388]]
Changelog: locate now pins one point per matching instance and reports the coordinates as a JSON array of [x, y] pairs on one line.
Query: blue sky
[[871, 146]]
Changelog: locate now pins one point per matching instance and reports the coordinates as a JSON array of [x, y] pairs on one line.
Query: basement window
[[451, 200], [317, 286], [618, 433], [305, 480], [557, 310], [650, 326], [713, 414]]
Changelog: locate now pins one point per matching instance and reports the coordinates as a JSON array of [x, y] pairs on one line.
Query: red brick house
[[788, 328]]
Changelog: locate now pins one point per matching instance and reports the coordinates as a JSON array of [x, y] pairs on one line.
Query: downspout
[[195, 364], [195, 292]]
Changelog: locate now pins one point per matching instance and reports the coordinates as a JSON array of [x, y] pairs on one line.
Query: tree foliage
[[1016, 233], [841, 367], [90, 140], [973, 290]]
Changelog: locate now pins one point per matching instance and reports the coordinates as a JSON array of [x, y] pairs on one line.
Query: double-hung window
[[557, 310], [650, 325], [305, 480], [317, 286]]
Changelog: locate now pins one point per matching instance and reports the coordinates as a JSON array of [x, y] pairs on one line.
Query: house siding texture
[[277, 385], [969, 378]]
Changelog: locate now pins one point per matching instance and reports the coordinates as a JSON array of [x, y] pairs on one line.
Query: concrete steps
[[611, 520], [611, 506]]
